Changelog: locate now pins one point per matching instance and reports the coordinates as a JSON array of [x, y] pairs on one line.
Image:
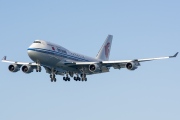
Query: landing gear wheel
[[77, 78], [53, 79], [66, 78], [38, 69]]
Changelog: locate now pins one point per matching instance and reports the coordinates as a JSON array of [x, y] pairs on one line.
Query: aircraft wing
[[119, 63], [18, 63], [150, 59], [140, 60], [103, 65]]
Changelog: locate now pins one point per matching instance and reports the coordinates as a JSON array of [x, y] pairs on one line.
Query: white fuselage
[[52, 55]]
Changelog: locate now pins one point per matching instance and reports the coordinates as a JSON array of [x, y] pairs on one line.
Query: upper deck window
[[37, 42]]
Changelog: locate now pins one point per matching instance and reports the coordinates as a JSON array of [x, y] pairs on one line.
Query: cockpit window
[[37, 42]]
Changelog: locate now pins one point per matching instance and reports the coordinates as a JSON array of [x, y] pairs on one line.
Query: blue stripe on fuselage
[[58, 54]]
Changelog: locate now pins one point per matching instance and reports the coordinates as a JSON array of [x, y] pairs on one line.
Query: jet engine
[[27, 69], [14, 68], [94, 68], [131, 66]]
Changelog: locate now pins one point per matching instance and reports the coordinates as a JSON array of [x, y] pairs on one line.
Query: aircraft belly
[[58, 63]]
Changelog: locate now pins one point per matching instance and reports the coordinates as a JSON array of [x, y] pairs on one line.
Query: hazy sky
[[141, 29]]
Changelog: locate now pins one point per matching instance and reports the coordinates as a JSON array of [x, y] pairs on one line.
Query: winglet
[[174, 55], [4, 58]]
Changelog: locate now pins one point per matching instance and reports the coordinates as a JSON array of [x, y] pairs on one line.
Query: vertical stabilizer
[[104, 52]]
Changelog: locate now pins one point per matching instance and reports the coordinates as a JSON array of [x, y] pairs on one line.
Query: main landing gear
[[76, 78], [66, 77], [82, 75], [83, 78]]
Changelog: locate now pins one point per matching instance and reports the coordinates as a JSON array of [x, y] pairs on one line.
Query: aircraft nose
[[30, 53], [33, 50]]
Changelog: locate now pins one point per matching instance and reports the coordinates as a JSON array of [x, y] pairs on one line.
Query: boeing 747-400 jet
[[57, 60]]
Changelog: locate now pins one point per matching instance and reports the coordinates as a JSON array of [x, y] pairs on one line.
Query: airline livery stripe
[[57, 53]]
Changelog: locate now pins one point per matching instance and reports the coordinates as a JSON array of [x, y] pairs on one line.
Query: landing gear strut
[[38, 69], [83, 77], [53, 76]]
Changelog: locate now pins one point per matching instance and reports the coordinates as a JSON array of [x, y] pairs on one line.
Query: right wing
[[140, 60], [27, 67], [18, 63], [129, 64]]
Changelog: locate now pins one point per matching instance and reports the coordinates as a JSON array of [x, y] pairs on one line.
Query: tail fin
[[104, 52], [4, 58]]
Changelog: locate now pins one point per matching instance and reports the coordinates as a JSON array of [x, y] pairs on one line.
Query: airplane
[[58, 60]]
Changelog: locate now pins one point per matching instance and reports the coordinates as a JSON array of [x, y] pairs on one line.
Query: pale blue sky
[[140, 28]]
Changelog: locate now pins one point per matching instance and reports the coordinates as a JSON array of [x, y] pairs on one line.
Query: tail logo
[[107, 49]]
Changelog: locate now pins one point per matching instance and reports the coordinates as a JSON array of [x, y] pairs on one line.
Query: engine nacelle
[[14, 68], [27, 69], [94, 68], [131, 66]]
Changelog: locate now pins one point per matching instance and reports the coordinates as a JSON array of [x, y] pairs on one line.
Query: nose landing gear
[[38, 69], [53, 76]]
